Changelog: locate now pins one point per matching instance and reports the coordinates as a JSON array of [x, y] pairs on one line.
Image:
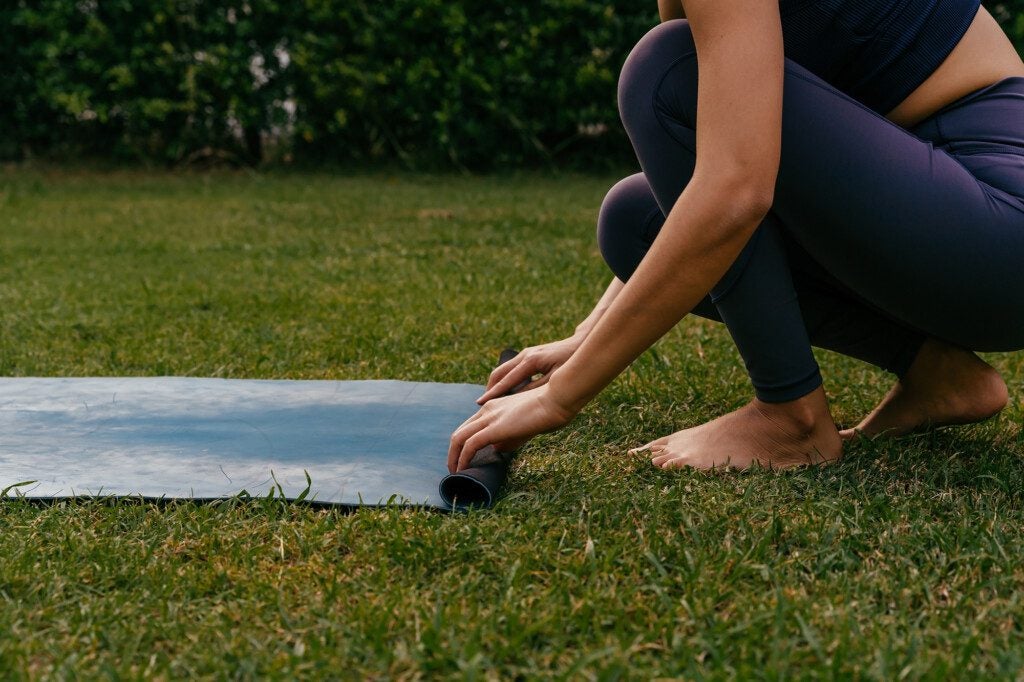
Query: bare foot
[[945, 385], [776, 435]]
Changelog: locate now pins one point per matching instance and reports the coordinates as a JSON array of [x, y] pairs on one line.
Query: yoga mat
[[361, 442]]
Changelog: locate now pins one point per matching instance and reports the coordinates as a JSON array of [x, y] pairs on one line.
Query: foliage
[[427, 81], [1010, 14], [474, 83], [146, 80], [431, 83]]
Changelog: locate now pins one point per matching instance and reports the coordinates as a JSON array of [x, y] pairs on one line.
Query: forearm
[[544, 359], [584, 327], [697, 233], [670, 9]]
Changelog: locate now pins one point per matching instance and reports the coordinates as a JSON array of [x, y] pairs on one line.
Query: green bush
[[1010, 15], [152, 79], [429, 82]]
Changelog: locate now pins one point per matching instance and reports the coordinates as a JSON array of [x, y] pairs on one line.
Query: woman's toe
[[849, 434], [660, 460], [653, 446]]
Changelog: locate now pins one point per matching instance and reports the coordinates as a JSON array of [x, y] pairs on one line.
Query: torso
[[983, 56]]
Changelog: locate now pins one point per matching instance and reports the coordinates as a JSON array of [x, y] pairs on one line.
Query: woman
[[844, 173]]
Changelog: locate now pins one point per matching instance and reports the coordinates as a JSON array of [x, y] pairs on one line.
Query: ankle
[[803, 416], [939, 356]]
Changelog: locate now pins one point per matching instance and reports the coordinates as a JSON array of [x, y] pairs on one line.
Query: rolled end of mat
[[479, 483], [507, 355], [463, 490]]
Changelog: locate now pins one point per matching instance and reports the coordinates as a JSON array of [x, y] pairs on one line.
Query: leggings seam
[[990, 191], [940, 131], [655, 99], [651, 215]]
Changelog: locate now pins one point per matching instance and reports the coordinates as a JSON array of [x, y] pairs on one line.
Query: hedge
[[431, 83]]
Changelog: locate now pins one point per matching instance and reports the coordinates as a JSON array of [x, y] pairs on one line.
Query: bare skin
[[771, 435], [944, 386], [983, 56]]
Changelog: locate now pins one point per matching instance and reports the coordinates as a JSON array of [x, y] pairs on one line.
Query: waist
[[982, 57]]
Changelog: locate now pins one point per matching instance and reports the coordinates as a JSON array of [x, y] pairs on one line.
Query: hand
[[529, 362], [506, 420]]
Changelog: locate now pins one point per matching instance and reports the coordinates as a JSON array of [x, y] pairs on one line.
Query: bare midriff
[[983, 56]]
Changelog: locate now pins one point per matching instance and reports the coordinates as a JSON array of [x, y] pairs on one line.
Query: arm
[[584, 327], [546, 358], [670, 9], [739, 124]]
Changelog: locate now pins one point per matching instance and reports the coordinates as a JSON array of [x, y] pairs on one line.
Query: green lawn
[[904, 560]]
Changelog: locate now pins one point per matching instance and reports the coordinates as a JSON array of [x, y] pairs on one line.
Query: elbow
[[745, 186], [748, 198], [759, 202], [753, 201]]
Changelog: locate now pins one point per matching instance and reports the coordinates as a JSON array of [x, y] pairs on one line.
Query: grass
[[902, 561]]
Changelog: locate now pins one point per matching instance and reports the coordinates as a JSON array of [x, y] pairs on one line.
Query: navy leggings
[[878, 237]]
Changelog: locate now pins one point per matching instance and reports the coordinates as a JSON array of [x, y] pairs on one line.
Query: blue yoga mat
[[360, 442]]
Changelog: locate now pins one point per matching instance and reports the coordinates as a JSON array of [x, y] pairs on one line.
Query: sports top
[[876, 51]]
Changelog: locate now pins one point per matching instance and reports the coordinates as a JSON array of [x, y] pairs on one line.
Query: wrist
[[563, 396]]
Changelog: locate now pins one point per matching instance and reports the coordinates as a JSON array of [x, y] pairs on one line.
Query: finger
[[454, 447], [519, 373], [472, 445], [510, 380], [501, 370], [536, 383], [476, 415], [458, 442], [527, 385]]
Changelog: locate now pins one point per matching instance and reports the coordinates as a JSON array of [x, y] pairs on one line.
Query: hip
[[984, 56]]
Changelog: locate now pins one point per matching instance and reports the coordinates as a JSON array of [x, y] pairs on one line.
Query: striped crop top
[[876, 51]]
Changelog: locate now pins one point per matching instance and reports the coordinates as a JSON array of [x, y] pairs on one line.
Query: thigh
[[901, 221], [893, 216]]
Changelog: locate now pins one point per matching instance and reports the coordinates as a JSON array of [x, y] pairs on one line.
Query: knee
[[627, 224], [653, 55]]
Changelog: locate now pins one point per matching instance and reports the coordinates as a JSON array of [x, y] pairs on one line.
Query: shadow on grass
[[979, 461]]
